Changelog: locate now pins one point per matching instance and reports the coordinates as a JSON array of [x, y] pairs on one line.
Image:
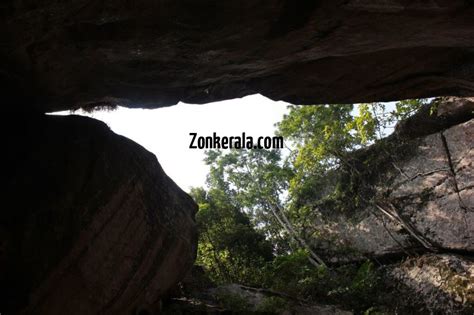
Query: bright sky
[[165, 131]]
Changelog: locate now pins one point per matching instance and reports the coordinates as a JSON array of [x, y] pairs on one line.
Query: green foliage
[[406, 108], [324, 138], [234, 302], [273, 305], [321, 135], [256, 181], [257, 216], [357, 286], [294, 275], [316, 131], [229, 247], [354, 286]]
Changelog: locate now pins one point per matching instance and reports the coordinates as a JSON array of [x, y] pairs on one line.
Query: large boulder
[[90, 223], [151, 53]]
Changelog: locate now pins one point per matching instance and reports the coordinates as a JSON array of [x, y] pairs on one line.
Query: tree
[[323, 137], [258, 180], [229, 247], [260, 195]]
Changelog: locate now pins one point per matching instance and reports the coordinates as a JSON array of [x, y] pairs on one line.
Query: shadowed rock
[[145, 53], [93, 224]]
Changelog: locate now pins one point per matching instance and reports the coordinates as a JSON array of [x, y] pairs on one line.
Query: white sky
[[165, 131]]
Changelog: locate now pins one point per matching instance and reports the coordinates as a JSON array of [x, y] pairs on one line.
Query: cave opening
[[320, 206], [166, 131], [368, 211]]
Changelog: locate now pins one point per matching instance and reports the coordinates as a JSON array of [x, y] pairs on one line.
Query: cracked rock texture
[[149, 53], [444, 283], [428, 194], [93, 224], [418, 188], [422, 193]]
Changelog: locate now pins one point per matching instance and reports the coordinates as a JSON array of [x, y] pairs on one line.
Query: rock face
[[93, 224], [65, 54], [443, 283], [429, 195], [417, 210], [421, 193]]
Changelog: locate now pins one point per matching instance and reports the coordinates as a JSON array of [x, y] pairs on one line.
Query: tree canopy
[[255, 216]]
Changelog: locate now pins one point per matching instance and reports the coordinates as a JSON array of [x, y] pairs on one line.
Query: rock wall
[[90, 223], [417, 211], [417, 190], [435, 199], [443, 283], [65, 54]]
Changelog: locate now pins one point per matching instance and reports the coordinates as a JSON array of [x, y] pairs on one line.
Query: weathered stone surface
[[90, 223], [64, 54], [427, 193], [449, 110], [421, 198], [440, 284]]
